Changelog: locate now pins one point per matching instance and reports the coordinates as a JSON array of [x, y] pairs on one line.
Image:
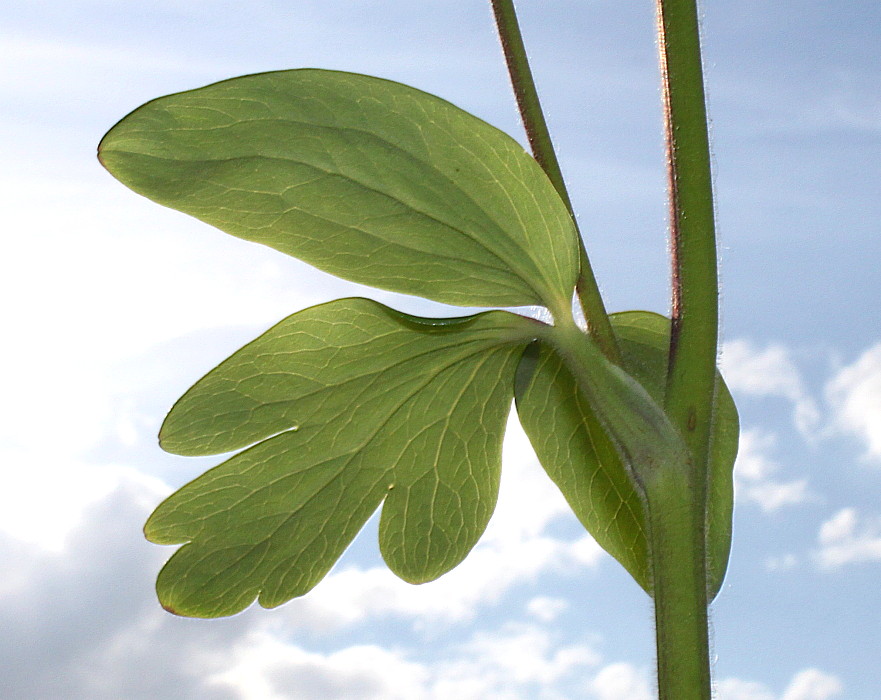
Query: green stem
[[678, 536], [662, 468], [543, 150], [694, 338], [678, 562]]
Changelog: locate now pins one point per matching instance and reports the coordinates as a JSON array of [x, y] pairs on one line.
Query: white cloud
[[855, 396], [84, 623], [812, 684], [808, 684], [769, 372], [503, 663], [44, 497], [515, 662], [784, 562], [74, 559], [846, 538], [546, 609], [263, 667], [737, 689], [754, 470], [621, 681]]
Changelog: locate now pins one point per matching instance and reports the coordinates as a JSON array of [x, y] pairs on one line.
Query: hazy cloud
[[848, 538], [515, 662], [768, 372], [855, 396], [812, 684], [621, 681], [263, 667], [546, 609], [511, 662], [808, 684], [754, 473], [81, 620]]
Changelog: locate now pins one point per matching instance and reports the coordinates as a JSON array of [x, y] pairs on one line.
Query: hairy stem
[[661, 466], [679, 575], [694, 338], [678, 537], [543, 150]]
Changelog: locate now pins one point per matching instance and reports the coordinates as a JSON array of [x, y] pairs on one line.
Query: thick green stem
[[662, 468], [691, 378], [678, 536], [543, 149], [678, 560]]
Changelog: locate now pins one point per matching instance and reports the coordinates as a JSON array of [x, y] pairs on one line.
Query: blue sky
[[116, 305]]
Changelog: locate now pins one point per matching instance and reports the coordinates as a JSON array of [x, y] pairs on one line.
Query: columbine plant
[[350, 405]]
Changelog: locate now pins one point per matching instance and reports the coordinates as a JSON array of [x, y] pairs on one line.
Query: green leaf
[[582, 461], [350, 404], [367, 179]]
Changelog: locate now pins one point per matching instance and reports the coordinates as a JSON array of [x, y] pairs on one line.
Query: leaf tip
[[101, 151], [168, 607]]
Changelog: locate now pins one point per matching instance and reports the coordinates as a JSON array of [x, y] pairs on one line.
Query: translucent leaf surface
[[364, 178], [350, 404], [582, 461]]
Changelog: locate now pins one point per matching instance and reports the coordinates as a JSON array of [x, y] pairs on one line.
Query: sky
[[114, 306]]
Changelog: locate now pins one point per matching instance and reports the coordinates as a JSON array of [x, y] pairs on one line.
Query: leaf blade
[[271, 521], [582, 461], [364, 178]]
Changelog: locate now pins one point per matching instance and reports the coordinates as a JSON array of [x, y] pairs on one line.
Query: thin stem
[[693, 343], [543, 150]]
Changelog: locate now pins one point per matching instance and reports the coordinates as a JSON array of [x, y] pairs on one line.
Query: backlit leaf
[[351, 405], [367, 179]]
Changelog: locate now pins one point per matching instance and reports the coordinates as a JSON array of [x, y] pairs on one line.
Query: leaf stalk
[[542, 147]]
